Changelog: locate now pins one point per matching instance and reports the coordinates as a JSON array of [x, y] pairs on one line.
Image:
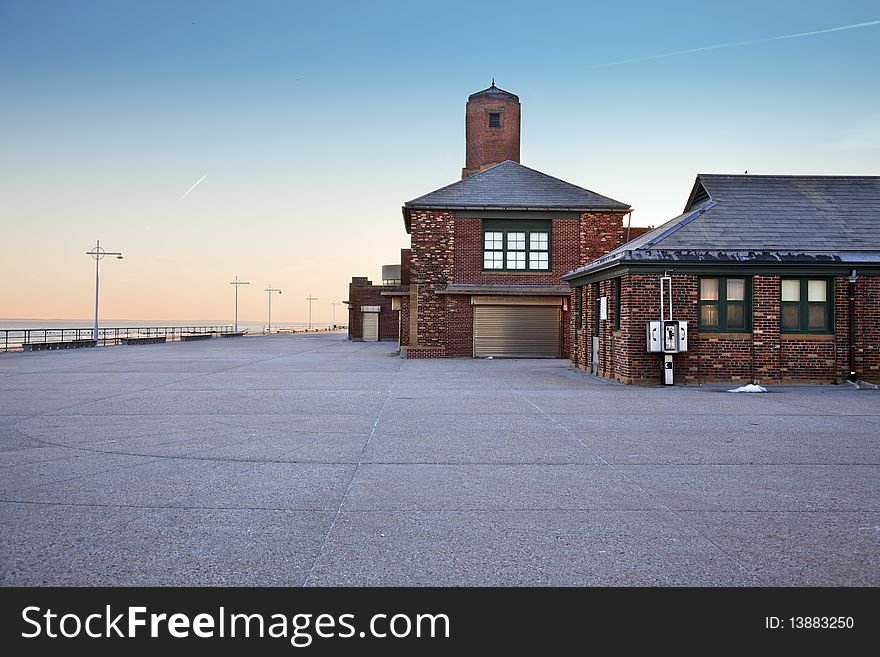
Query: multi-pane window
[[516, 246], [493, 250], [806, 305], [724, 304], [516, 250]]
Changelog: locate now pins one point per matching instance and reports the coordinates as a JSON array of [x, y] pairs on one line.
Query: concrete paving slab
[[42, 532], [472, 439], [21, 482], [487, 487], [799, 549], [232, 402], [521, 548], [207, 547], [144, 433], [640, 401], [195, 483], [760, 487], [700, 439]]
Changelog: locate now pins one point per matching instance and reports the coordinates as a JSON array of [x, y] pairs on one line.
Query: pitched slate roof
[[512, 186], [765, 219], [494, 92]]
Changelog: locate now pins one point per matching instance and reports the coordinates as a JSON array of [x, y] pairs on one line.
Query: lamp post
[[270, 290], [310, 298], [333, 305], [98, 253], [237, 283]]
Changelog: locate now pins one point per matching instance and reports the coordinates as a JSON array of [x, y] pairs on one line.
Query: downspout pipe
[[851, 298]]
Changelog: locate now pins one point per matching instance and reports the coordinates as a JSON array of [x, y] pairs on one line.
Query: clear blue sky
[[314, 122]]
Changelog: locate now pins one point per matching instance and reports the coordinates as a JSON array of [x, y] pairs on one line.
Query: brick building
[[488, 251], [778, 278], [372, 315]]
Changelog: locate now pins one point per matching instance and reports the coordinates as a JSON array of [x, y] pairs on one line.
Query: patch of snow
[[490, 357], [749, 388]]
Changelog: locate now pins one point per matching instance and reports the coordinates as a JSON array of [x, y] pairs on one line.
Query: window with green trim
[[617, 304], [725, 304], [806, 305], [516, 245]]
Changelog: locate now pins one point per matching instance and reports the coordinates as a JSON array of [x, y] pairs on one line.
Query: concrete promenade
[[308, 460]]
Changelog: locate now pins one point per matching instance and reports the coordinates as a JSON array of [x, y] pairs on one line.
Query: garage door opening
[[510, 331]]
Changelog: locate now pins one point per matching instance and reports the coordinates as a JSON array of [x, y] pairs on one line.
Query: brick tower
[[492, 127]]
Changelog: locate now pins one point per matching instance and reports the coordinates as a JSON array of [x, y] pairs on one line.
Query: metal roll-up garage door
[[517, 331], [371, 327]]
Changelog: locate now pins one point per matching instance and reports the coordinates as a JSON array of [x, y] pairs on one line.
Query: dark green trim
[[804, 306], [817, 270], [527, 227], [723, 305]]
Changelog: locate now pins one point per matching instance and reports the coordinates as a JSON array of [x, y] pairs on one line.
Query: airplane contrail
[[193, 187], [733, 44]]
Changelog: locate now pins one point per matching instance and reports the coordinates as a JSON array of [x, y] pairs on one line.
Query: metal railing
[[300, 328], [14, 339]]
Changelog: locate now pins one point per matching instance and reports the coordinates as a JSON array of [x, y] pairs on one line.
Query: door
[[517, 331], [371, 327]]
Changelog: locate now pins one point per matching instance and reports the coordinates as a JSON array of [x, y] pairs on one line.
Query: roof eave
[[521, 208]]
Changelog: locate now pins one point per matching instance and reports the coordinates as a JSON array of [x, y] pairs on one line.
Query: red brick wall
[[564, 254], [446, 250], [867, 327], [485, 145], [611, 342], [405, 255], [459, 326], [431, 260], [362, 292], [765, 355]]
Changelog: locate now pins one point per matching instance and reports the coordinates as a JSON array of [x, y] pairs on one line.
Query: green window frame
[[517, 246], [725, 303], [806, 305], [617, 303]]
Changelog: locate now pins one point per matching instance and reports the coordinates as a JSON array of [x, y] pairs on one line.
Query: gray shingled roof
[[510, 185], [494, 92], [765, 218]]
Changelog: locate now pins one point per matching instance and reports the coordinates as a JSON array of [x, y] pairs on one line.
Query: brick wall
[[868, 328], [362, 292], [484, 145], [431, 260], [459, 326], [764, 355], [446, 249]]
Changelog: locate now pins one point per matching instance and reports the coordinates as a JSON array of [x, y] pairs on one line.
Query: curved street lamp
[[237, 283], [270, 290], [98, 254]]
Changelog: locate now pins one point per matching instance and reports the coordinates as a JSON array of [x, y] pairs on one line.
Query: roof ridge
[[786, 176]]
